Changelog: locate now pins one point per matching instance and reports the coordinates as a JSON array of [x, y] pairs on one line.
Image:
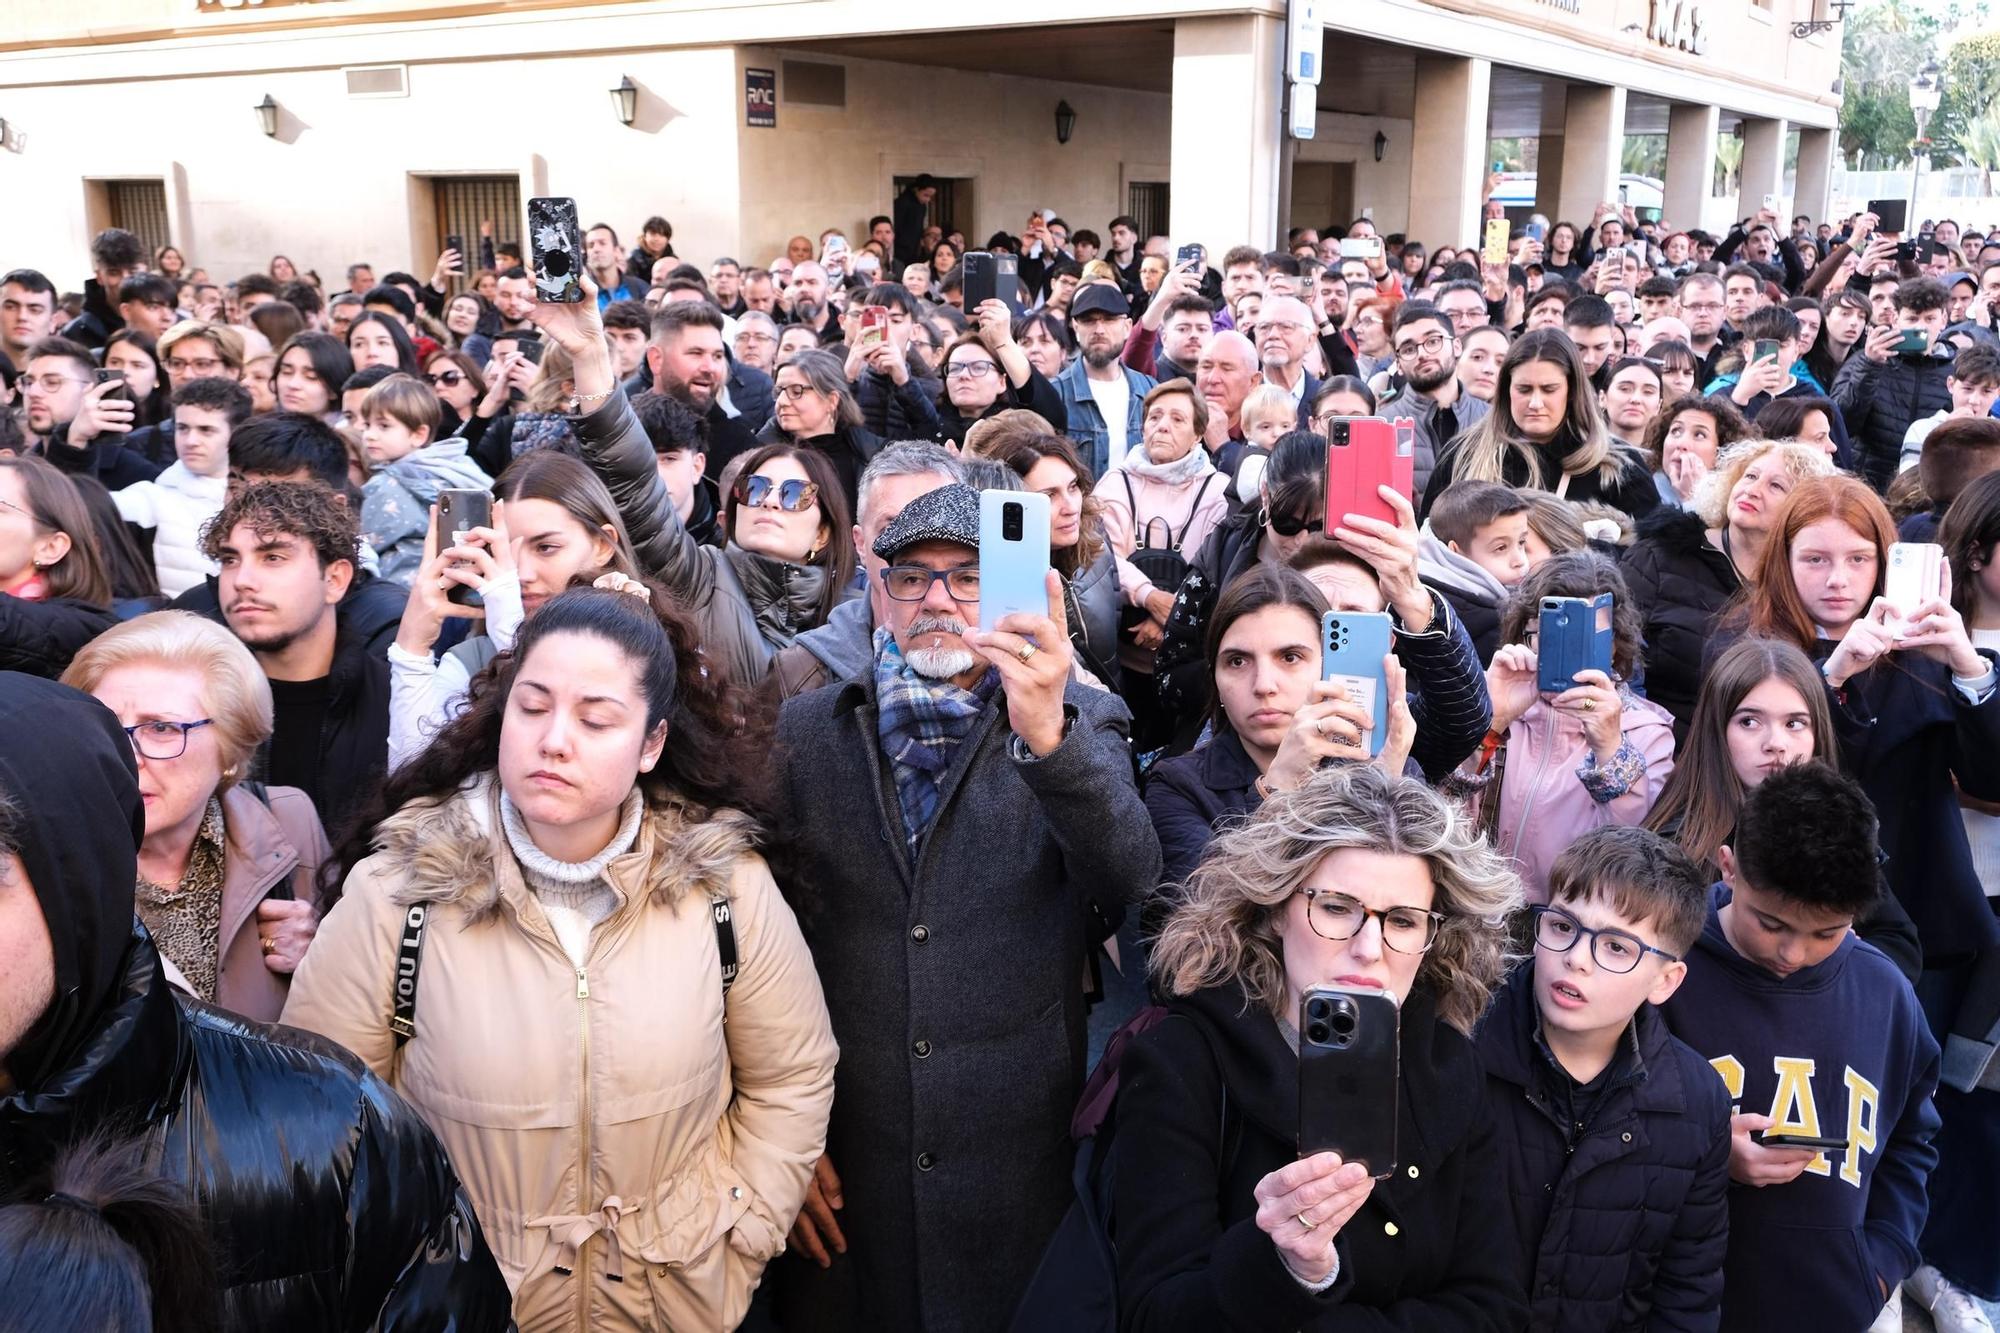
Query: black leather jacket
[[329, 1203]]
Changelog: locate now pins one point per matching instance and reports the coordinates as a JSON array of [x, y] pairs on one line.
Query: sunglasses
[[1291, 525], [448, 379], [794, 496]]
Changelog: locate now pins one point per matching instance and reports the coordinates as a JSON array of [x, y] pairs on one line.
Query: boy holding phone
[[1817, 1036], [1614, 1133], [399, 417], [1884, 389]]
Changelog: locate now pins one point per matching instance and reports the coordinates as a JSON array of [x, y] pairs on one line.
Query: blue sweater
[[1837, 1050]]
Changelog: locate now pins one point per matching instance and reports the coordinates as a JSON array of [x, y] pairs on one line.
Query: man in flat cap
[[976, 832]]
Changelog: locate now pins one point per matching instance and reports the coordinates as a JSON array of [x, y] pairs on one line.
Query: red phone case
[[1376, 454]]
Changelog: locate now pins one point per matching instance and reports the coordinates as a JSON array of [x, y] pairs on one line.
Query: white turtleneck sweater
[[575, 896]]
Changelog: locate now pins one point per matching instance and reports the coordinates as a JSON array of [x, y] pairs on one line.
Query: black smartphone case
[[555, 248], [980, 277], [1348, 1085]]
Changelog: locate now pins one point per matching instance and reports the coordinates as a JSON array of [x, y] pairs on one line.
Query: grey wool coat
[[955, 988]]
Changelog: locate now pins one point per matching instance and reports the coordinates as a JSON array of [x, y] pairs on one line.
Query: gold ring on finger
[[1026, 651], [1302, 1221]]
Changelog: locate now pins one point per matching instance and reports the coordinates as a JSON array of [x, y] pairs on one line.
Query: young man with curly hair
[[287, 553], [1818, 1037]]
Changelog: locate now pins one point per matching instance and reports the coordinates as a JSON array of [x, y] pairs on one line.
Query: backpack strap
[[1181, 540], [725, 939], [409, 961]]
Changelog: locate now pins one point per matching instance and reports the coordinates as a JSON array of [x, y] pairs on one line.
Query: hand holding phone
[[1573, 635], [1916, 575], [1759, 1164], [1353, 646], [1349, 1046], [1494, 248], [458, 513], [555, 248], [117, 391]]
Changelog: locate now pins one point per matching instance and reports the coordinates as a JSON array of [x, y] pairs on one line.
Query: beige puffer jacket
[[612, 1120]]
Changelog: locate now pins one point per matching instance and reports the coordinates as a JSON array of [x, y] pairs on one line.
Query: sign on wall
[[760, 98]]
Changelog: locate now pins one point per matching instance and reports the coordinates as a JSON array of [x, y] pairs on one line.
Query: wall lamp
[[1381, 143], [625, 100], [1065, 121], [267, 116]]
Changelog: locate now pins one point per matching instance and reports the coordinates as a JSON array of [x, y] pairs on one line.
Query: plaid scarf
[[921, 722]]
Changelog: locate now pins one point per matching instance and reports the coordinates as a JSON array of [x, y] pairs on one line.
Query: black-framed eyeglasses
[[1429, 346], [912, 583], [794, 496], [792, 392], [163, 740], [1338, 917], [1291, 525], [1613, 950]]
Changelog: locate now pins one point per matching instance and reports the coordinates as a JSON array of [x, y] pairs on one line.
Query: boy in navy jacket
[[1614, 1134], [1816, 1035]]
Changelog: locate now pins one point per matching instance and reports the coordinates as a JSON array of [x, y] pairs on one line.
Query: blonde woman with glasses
[[1369, 883]]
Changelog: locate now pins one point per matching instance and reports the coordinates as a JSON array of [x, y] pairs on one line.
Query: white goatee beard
[[940, 663]]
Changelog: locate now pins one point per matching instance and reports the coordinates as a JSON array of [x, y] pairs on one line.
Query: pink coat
[[1169, 509], [1545, 806]]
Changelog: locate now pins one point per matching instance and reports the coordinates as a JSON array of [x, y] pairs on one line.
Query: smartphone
[[457, 243], [1770, 203], [1574, 634], [1906, 252], [1013, 554], [113, 377], [874, 325], [1352, 646], [1927, 250], [1191, 256], [1917, 341], [1891, 215], [1803, 1141], [458, 513], [1916, 575], [1494, 248], [1763, 348], [1361, 247], [989, 277], [1363, 453], [1349, 1043], [555, 248], [1538, 231]]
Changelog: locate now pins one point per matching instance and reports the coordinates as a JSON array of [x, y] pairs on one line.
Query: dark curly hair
[[295, 508], [718, 735], [1807, 833], [1582, 573]]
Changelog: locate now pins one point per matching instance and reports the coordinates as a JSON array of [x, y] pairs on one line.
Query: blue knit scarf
[[921, 722]]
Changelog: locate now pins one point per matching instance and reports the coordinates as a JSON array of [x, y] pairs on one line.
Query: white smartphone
[[1013, 555], [1916, 575]]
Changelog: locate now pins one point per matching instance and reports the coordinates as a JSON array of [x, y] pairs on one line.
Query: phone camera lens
[[1343, 1022], [1317, 1010], [1316, 1033], [1010, 522], [556, 263]]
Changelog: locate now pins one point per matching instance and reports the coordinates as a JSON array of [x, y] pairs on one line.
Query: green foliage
[[1971, 88], [1979, 145], [1644, 155]]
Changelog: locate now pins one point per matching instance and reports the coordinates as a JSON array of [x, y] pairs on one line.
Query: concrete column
[[1593, 144], [1763, 166], [1691, 130], [1549, 152], [1228, 112], [1448, 147], [1812, 191]]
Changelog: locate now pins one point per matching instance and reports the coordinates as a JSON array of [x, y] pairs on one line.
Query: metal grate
[[1149, 203], [140, 207], [463, 202]]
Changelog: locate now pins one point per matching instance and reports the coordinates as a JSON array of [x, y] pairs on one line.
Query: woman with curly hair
[[1357, 880]]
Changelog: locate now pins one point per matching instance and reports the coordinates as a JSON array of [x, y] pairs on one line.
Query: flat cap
[[947, 514]]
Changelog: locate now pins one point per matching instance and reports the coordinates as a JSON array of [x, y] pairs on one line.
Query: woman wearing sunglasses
[[815, 408], [1365, 882], [455, 379]]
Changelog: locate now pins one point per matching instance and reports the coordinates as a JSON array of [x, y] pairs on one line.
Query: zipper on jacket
[[585, 1194], [1541, 771]]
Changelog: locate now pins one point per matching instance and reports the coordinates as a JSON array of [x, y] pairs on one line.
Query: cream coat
[[606, 1119]]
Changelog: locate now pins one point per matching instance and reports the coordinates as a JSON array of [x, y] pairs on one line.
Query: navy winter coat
[[1627, 1226], [1680, 584]]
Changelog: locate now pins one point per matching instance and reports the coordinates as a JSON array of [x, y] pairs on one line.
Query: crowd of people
[[511, 814]]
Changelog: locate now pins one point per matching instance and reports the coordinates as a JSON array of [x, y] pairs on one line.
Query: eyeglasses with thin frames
[[1340, 917], [1613, 950]]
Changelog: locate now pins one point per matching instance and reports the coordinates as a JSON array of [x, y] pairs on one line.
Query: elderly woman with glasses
[[228, 872], [1373, 885]]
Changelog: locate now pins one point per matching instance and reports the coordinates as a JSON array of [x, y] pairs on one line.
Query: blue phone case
[[1575, 635], [1352, 646], [1013, 562]]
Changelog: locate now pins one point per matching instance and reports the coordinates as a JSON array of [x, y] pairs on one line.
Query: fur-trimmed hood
[[452, 850], [1680, 532]]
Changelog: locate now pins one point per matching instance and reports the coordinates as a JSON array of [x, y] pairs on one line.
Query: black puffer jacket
[[329, 1203], [1680, 584], [906, 411], [1180, 667], [1879, 400], [41, 637], [1622, 1224]]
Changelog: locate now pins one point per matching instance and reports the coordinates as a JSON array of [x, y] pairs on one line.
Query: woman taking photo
[[1273, 722], [790, 555], [1559, 764], [228, 875], [634, 1126], [816, 409], [1045, 337], [1158, 505], [312, 367], [134, 355], [1685, 439], [55, 593], [1914, 704], [553, 524], [1357, 880], [1545, 432], [986, 372], [1762, 708], [1688, 564]]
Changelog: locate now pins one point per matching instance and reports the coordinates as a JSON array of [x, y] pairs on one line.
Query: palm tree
[[1728, 161], [1979, 145]]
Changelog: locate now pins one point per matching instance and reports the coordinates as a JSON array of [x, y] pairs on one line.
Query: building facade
[[336, 130]]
